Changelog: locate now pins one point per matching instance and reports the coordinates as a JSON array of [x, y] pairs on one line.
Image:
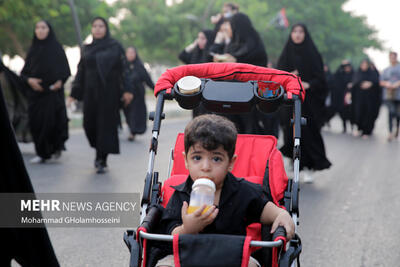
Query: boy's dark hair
[[393, 53], [211, 131]]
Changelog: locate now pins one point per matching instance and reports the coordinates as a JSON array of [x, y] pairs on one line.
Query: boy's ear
[[184, 156], [232, 162]]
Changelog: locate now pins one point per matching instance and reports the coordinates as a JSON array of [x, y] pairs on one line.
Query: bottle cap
[[204, 181], [189, 85]]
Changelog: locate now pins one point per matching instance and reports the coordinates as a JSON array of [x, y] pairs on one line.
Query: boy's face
[[213, 164]]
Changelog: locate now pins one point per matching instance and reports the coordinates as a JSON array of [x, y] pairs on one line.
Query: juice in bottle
[[203, 191]]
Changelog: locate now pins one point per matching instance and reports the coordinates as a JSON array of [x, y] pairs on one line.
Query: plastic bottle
[[203, 191]]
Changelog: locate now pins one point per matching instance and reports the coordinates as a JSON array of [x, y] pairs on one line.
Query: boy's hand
[[194, 222], [286, 221]]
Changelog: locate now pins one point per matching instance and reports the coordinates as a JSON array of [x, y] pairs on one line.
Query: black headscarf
[[46, 60], [137, 61], [140, 72], [303, 57], [306, 59], [105, 49], [369, 75], [203, 55], [246, 44]]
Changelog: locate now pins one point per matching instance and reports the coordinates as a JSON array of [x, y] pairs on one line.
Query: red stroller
[[258, 161]]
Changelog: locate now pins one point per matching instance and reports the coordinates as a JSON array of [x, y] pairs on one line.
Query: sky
[[383, 15]]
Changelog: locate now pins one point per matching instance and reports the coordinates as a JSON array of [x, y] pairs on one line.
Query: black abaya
[[342, 79], [136, 111], [15, 91], [100, 82], [306, 59], [27, 246], [366, 101], [48, 120]]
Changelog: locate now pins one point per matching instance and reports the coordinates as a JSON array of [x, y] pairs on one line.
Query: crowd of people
[[110, 79]]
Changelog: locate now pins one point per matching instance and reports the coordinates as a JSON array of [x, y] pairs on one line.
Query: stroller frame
[[150, 214]]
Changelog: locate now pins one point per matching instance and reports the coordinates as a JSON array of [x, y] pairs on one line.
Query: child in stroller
[[259, 161], [209, 146]]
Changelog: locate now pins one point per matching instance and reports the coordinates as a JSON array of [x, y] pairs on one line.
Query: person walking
[[199, 52], [366, 98], [136, 111], [45, 71], [238, 41], [341, 97], [101, 82], [390, 80], [301, 57], [15, 93]]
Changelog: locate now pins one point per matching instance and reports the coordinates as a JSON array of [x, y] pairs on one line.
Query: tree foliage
[[18, 18], [160, 31]]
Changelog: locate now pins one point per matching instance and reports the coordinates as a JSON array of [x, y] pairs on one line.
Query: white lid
[[189, 84], [204, 181]]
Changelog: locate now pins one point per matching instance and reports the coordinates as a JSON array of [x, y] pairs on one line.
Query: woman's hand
[[56, 86], [230, 58], [34, 83], [224, 58], [191, 47], [366, 85], [220, 37], [70, 100], [127, 98], [306, 85]]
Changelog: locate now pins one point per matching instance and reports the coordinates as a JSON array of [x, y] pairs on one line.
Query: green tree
[[160, 31], [17, 20]]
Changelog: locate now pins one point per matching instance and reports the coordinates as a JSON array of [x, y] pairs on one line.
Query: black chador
[[199, 55], [27, 246], [305, 58], [136, 111], [48, 120], [100, 83], [366, 102], [15, 93]]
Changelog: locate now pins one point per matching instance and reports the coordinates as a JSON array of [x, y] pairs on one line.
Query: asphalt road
[[348, 217]]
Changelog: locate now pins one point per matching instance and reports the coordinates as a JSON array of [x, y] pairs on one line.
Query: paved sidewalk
[[171, 110]]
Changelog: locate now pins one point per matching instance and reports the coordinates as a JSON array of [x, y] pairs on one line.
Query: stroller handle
[[169, 238], [231, 71]]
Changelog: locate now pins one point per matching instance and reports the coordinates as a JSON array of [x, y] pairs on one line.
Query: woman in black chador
[[101, 82], [136, 111], [46, 70], [15, 92], [341, 97], [366, 98], [301, 57], [199, 52], [238, 41]]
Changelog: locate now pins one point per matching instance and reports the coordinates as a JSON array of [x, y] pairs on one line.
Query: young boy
[[209, 146]]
